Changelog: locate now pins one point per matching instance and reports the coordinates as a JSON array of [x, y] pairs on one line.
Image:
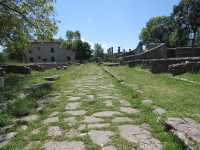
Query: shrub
[[4, 119], [22, 107]]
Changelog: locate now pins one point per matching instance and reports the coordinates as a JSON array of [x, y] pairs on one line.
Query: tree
[[26, 20], [158, 30], [98, 51], [73, 35], [187, 14], [82, 49]]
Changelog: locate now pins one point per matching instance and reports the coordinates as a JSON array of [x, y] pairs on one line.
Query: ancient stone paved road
[[97, 116]]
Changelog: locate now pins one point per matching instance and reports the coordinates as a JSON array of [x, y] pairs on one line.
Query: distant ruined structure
[[160, 58]]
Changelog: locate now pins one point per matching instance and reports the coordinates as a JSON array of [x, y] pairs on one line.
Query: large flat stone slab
[[29, 118], [74, 99], [100, 138], [108, 103], [73, 133], [55, 131], [98, 126], [159, 111], [124, 103], [107, 114], [129, 110], [92, 119], [140, 137], [5, 139], [70, 121], [76, 112], [72, 106], [122, 120], [147, 102], [51, 120], [65, 145], [185, 129], [109, 148]]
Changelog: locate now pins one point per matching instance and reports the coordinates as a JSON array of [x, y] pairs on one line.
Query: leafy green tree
[[187, 14], [23, 20], [82, 49], [98, 51], [158, 30], [73, 35]]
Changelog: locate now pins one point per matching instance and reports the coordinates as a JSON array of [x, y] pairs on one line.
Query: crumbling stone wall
[[161, 65], [154, 53]]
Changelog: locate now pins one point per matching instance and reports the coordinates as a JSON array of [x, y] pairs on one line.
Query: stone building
[[48, 52]]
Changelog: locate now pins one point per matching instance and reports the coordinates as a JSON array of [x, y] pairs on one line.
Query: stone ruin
[[160, 59]]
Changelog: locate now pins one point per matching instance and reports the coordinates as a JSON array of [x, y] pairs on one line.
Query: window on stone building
[[52, 50], [53, 59], [31, 59], [39, 57], [44, 60]]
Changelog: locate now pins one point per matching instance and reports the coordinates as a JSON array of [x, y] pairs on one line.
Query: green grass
[[178, 97]]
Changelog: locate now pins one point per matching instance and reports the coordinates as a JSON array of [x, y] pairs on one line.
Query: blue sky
[[109, 22]]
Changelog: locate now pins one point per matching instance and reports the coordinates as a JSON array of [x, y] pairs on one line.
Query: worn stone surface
[[73, 133], [109, 148], [72, 106], [55, 131], [129, 110], [186, 129], [70, 120], [124, 103], [30, 145], [51, 120], [29, 118], [108, 103], [100, 138], [5, 139], [35, 131], [24, 127], [54, 114], [65, 145], [98, 125], [92, 119], [159, 111], [107, 114], [76, 112], [147, 102], [122, 120], [140, 137], [74, 99]]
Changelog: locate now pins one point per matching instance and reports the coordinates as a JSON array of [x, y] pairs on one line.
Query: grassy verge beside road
[[178, 97]]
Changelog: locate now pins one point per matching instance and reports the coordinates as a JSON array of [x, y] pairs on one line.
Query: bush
[[2, 57], [21, 107], [4, 119]]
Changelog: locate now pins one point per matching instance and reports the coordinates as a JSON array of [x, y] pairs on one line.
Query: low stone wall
[[161, 65], [47, 65], [16, 69], [162, 52], [177, 69], [154, 53], [183, 52]]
